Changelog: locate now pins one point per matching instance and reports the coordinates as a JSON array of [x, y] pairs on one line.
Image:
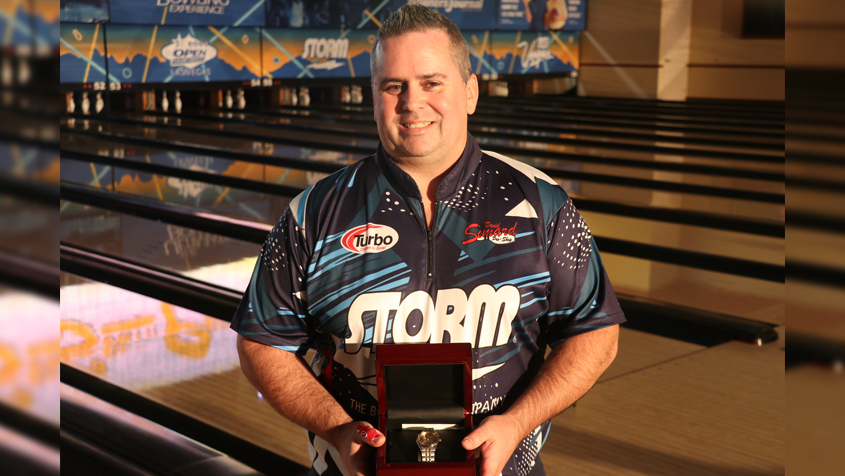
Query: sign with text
[[188, 12], [84, 11], [543, 15]]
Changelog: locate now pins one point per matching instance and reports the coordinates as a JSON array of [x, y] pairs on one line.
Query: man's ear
[[472, 93]]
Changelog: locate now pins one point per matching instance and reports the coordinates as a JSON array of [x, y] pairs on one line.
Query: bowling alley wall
[[155, 44]]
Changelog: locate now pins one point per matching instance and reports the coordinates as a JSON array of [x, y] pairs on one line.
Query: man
[[429, 240]]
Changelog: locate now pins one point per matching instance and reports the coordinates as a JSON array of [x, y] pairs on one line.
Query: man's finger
[[476, 438], [370, 434]]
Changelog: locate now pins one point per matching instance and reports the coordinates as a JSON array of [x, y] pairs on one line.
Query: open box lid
[[424, 382]]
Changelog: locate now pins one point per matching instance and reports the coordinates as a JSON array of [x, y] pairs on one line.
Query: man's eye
[[432, 84], [393, 88]]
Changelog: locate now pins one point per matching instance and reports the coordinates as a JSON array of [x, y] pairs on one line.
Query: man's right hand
[[356, 441]]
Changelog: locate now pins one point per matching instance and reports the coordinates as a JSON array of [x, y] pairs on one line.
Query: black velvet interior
[[425, 392], [402, 446]]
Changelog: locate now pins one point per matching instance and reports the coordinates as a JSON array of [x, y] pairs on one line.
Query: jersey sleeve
[[273, 310], [581, 298]]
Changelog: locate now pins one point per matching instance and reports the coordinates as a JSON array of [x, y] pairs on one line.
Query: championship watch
[[427, 440]]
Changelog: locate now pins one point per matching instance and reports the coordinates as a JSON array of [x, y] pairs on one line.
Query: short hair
[[416, 18]]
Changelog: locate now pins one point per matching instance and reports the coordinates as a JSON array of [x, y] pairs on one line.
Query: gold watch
[[427, 440]]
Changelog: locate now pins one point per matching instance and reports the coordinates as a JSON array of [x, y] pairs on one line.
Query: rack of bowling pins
[[351, 94]]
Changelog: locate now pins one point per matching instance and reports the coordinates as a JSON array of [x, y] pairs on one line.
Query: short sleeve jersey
[[508, 266]]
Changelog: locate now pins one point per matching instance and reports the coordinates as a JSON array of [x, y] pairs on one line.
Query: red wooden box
[[424, 384]]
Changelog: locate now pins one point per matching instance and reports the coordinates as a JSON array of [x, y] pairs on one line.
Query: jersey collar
[[452, 182]]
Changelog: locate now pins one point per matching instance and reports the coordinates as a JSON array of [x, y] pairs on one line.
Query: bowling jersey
[[508, 266]]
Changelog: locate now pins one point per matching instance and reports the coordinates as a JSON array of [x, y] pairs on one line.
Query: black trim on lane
[[139, 443], [29, 274], [278, 160], [209, 299], [693, 259], [806, 349], [815, 274], [765, 197], [29, 425], [705, 328], [248, 453], [813, 221], [240, 229]]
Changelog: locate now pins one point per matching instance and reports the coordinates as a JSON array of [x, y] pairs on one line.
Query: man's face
[[420, 101]]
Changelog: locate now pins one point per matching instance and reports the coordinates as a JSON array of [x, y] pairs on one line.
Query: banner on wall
[[543, 15], [174, 54], [84, 11], [82, 54], [317, 53], [330, 14], [479, 45], [188, 12], [535, 52], [475, 14]]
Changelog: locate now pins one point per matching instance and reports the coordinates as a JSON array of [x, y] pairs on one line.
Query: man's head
[[423, 87]]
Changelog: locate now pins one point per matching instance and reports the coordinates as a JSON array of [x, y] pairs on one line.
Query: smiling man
[[430, 240]]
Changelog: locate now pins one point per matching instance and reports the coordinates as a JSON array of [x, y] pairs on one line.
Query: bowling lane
[[84, 173], [711, 150], [188, 361], [724, 173]]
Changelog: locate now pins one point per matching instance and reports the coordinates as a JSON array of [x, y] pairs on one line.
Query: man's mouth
[[416, 125]]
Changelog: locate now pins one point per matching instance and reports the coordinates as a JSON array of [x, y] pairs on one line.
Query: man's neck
[[427, 176]]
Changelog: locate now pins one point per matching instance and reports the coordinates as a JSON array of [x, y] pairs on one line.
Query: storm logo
[[188, 51], [324, 53], [369, 238]]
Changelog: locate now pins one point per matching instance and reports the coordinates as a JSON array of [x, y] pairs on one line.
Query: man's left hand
[[497, 436]]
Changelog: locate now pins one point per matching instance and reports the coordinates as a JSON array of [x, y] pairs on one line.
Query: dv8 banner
[[188, 12]]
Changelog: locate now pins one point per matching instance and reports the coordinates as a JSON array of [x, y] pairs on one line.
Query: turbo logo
[[369, 238]]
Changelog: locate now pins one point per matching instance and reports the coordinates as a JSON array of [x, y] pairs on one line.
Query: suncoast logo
[[369, 238], [188, 51], [324, 52], [210, 7], [493, 232]]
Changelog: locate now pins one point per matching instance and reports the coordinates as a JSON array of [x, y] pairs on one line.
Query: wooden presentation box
[[422, 385]]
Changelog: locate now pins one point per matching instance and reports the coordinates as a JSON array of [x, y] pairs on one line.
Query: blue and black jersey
[[508, 265]]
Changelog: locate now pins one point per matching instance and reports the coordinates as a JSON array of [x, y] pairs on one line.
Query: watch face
[[428, 438]]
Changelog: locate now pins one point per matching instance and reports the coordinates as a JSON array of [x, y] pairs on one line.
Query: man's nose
[[412, 99]]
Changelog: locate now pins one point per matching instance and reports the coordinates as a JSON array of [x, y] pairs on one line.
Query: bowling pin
[[99, 104], [241, 99], [24, 72], [304, 97], [71, 103], [229, 99], [6, 72], [345, 95], [178, 103], [294, 99], [86, 104], [165, 104]]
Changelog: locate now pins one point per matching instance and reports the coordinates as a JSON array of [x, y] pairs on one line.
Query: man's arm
[[286, 382], [569, 372]]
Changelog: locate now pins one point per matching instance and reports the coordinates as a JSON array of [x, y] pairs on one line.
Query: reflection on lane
[[29, 368], [197, 254]]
